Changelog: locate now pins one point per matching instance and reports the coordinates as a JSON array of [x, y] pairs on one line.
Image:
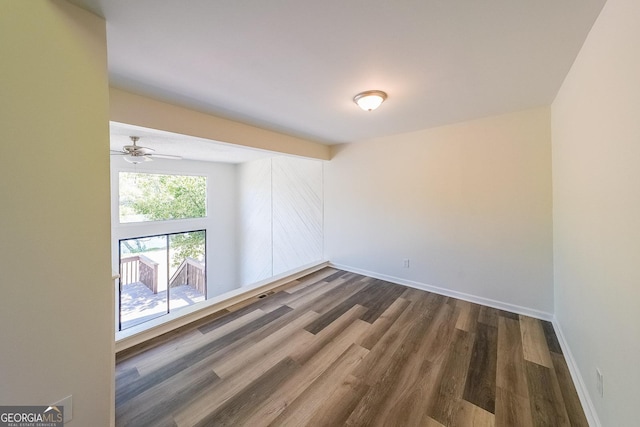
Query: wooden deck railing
[[191, 273], [139, 268]]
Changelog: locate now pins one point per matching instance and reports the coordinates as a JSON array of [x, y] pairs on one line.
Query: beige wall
[[596, 214], [469, 205], [142, 111], [56, 328]]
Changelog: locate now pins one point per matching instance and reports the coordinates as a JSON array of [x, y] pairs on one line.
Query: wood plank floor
[[336, 348]]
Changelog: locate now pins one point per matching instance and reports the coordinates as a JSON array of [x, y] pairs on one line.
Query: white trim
[[583, 393], [144, 332], [531, 312], [233, 297]]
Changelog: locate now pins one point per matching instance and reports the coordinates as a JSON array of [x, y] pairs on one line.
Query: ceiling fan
[[137, 154]]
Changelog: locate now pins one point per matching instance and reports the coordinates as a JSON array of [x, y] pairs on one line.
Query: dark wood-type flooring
[[337, 348]]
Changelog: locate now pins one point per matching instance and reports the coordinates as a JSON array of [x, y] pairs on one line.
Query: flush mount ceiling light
[[370, 100]]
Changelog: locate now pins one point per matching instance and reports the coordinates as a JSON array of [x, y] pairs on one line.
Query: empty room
[[295, 213]]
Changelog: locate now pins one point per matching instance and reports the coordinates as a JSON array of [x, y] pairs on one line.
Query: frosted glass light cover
[[370, 100], [136, 159]]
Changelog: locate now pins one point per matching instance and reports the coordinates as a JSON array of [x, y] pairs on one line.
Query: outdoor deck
[[139, 304]]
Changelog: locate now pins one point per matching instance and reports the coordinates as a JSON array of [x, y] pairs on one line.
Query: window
[[160, 274], [154, 197]]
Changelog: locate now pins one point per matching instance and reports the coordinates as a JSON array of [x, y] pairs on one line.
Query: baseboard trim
[[449, 293], [191, 314], [576, 376]]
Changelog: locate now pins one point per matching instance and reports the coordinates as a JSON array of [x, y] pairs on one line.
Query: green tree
[[165, 197], [187, 245]]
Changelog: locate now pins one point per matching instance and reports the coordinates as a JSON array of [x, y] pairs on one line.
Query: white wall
[[297, 213], [469, 205], [280, 216], [56, 331], [255, 238], [220, 222], [596, 213]]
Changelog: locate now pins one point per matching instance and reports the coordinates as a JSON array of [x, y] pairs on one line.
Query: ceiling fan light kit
[[370, 99], [135, 159]]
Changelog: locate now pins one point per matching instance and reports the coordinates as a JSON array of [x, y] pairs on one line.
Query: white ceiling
[[295, 65]]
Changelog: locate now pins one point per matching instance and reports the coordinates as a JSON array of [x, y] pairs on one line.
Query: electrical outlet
[[599, 382], [67, 404], [405, 263]]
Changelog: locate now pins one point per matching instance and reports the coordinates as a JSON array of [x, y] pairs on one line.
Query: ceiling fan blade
[[166, 156], [137, 154]]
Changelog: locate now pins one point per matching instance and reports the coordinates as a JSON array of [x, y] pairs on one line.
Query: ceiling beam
[[133, 109]]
